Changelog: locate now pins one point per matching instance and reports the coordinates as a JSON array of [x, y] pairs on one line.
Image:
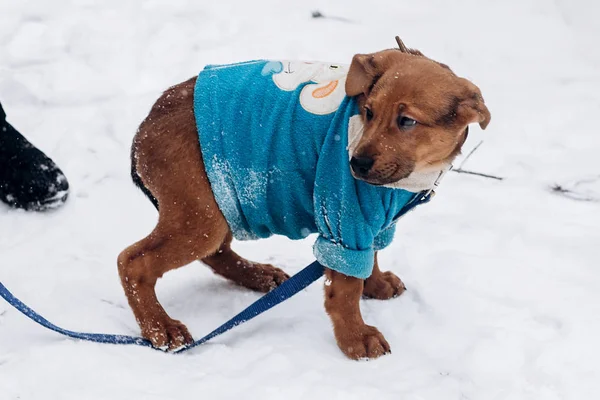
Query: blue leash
[[283, 292]]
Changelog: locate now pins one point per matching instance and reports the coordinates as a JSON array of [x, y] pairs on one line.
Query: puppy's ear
[[361, 74], [472, 107]]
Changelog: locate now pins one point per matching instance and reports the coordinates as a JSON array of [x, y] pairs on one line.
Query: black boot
[[28, 178]]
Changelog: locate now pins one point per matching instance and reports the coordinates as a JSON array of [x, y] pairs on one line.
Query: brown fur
[[167, 163], [392, 84]]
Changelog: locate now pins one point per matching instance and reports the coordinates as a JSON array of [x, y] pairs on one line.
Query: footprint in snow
[[583, 189]]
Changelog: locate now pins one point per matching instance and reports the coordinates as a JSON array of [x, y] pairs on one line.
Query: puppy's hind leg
[[140, 265], [255, 276], [167, 164]]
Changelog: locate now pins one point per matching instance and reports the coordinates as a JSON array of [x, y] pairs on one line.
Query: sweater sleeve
[[345, 242], [384, 238], [358, 261], [339, 257]]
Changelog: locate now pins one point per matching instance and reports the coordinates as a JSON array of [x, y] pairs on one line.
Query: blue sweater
[[274, 138]]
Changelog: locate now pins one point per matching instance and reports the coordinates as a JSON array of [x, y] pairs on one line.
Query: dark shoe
[[28, 178]]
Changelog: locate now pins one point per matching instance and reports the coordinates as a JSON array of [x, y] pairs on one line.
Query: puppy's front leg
[[383, 285], [355, 338]]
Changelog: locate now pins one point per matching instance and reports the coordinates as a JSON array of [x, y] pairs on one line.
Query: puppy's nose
[[361, 165]]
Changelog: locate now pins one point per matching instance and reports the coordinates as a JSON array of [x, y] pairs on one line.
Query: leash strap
[[283, 292], [93, 337]]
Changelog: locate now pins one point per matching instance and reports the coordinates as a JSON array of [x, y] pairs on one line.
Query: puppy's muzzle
[[361, 165]]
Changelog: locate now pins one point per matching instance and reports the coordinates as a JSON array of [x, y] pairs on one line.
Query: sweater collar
[[421, 181]]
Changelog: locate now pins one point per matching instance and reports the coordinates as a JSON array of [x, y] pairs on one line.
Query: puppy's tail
[[137, 180]]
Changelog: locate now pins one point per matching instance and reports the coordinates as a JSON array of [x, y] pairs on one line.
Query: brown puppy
[[415, 113]]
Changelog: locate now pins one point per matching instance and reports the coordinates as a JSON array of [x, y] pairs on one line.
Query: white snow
[[503, 277]]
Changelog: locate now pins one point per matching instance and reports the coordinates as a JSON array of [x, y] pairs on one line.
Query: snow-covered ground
[[503, 277]]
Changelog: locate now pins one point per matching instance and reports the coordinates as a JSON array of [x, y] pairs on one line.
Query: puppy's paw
[[167, 334], [383, 286], [264, 278], [366, 342]]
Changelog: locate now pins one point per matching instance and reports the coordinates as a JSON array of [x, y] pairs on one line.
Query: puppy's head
[[415, 113]]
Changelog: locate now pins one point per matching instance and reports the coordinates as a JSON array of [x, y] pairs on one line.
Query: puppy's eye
[[405, 122], [368, 113]]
